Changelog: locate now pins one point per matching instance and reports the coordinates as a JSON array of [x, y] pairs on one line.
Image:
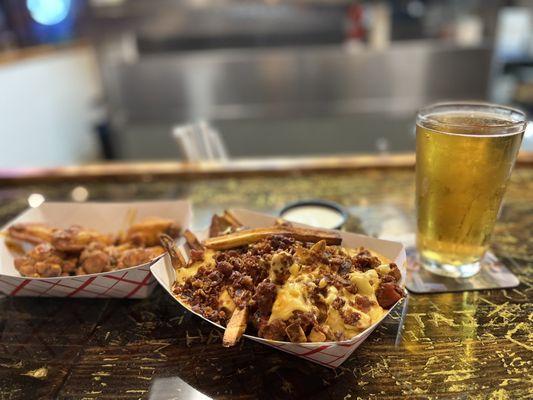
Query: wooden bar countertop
[[471, 345]]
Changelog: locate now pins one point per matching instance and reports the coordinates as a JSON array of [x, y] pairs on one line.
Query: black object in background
[[105, 139]]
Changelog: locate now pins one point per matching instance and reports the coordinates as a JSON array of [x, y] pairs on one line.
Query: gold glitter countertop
[[472, 345]]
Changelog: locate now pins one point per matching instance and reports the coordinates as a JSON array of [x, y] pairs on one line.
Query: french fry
[[248, 236], [318, 247], [283, 222], [192, 240], [295, 333], [218, 226], [316, 336], [240, 238], [236, 327], [175, 255], [34, 233], [314, 235], [221, 225], [232, 219]]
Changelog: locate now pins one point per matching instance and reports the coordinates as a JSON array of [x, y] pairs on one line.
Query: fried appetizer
[[34, 233], [78, 250], [146, 233], [45, 261], [75, 238], [137, 256], [287, 284]]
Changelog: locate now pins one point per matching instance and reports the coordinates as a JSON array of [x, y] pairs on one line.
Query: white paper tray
[[329, 354], [134, 282]]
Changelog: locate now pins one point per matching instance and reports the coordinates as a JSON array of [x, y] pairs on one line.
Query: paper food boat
[[134, 282], [329, 354]]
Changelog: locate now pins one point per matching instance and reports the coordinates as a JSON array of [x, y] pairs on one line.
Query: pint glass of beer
[[464, 156]]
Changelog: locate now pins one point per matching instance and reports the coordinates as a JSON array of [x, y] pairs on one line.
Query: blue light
[[48, 12]]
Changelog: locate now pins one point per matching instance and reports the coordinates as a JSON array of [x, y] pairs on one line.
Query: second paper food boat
[[330, 354]]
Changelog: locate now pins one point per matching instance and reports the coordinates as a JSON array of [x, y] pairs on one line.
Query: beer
[[465, 154]]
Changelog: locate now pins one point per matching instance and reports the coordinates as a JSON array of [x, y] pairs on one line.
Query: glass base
[[449, 270]]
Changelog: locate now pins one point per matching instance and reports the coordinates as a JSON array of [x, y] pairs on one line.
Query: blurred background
[[90, 80]]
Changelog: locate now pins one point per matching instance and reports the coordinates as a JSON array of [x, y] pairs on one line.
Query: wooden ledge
[[268, 166]]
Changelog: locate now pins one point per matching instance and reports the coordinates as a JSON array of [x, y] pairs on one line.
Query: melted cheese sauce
[[225, 301], [295, 293], [184, 273], [292, 296]]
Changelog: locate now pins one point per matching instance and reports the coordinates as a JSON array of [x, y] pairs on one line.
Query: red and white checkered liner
[[135, 282], [329, 354]]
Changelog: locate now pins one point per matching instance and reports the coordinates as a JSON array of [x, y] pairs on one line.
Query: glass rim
[[425, 113]]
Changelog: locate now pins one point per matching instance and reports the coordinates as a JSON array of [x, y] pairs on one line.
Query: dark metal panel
[[288, 82]]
